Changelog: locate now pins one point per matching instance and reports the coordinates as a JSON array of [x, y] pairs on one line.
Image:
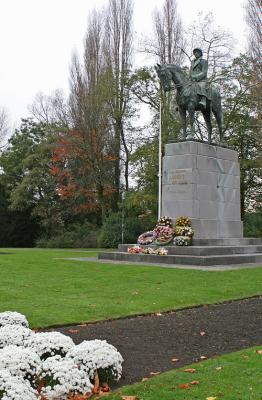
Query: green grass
[[236, 376], [50, 291]]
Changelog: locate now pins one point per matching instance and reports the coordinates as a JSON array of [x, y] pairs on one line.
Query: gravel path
[[148, 343]]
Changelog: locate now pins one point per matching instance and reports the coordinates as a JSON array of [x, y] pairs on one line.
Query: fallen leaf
[[259, 352], [129, 398], [203, 358], [194, 383], [80, 396], [73, 330], [175, 359], [155, 373], [211, 398], [202, 333], [105, 388], [190, 370], [184, 386]]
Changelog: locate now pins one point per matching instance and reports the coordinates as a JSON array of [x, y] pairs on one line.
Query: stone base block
[[202, 181]]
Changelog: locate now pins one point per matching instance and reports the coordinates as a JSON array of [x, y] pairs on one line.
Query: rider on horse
[[198, 75]]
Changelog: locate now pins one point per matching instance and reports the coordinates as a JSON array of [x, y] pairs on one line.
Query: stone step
[[204, 250], [183, 259], [228, 242]]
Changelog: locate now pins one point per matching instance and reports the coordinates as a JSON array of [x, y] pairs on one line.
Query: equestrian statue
[[194, 93]]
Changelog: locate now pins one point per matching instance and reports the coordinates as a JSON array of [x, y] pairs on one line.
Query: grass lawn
[[236, 376], [50, 291]]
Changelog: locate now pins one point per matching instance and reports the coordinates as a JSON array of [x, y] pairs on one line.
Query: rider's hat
[[198, 49]]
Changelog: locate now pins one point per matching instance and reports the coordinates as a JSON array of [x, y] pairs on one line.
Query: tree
[[167, 47], [118, 48], [243, 130], [18, 228], [51, 110], [26, 174], [168, 40], [4, 124], [82, 165], [254, 21], [89, 150]]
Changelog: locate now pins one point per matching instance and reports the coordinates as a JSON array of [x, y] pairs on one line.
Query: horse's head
[[164, 75]]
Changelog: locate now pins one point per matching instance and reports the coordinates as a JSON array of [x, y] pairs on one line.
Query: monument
[[201, 180]]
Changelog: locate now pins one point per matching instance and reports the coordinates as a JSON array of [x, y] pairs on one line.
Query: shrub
[[76, 236], [132, 226], [253, 224]]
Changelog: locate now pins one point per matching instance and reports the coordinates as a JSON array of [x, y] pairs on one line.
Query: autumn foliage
[[82, 165]]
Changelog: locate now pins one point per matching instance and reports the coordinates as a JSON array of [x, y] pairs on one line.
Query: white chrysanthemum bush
[[62, 376], [48, 365], [14, 335], [98, 355], [20, 361], [15, 387], [13, 318], [48, 344]]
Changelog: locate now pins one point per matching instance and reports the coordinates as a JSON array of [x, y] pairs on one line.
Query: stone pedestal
[[202, 181]]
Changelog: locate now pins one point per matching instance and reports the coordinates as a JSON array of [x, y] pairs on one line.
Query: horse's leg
[[207, 117], [191, 112], [217, 111], [182, 113]]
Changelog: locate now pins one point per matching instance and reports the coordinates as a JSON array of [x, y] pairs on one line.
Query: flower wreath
[[164, 235], [183, 221], [165, 221], [182, 241], [146, 238]]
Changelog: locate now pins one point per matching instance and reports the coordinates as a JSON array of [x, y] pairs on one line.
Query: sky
[[38, 38]]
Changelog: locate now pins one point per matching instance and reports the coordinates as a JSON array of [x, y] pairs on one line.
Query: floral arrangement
[[146, 238], [97, 355], [165, 221], [164, 235], [182, 241], [161, 251], [148, 250], [183, 221], [61, 377], [48, 344], [20, 361], [48, 366], [134, 249], [14, 335], [15, 388], [13, 318], [183, 232]]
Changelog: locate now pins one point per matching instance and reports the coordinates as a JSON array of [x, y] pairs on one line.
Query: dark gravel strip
[[148, 343]]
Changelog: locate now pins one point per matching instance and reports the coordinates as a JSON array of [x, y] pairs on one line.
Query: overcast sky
[[38, 38]]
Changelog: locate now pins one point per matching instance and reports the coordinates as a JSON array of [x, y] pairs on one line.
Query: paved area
[[175, 266]]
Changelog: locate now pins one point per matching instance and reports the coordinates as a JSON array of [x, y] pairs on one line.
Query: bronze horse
[[188, 100]]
